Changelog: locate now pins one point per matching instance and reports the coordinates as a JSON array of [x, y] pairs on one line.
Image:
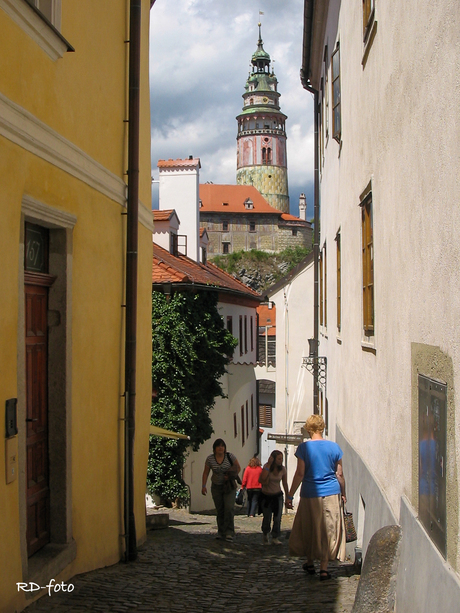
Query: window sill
[[369, 347], [368, 43], [32, 23]]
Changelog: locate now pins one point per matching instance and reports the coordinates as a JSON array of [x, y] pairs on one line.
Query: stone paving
[[183, 568]]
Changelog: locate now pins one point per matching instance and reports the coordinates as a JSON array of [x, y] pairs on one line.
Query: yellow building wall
[[83, 98]]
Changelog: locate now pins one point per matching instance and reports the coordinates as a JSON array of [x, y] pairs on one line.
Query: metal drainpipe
[[315, 251], [131, 274]]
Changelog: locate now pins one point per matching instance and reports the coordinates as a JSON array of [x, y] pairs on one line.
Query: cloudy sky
[[200, 54]]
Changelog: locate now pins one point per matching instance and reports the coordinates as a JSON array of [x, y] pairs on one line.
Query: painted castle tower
[[261, 140]]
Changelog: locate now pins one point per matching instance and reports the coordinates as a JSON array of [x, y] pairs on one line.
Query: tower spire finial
[[260, 26]]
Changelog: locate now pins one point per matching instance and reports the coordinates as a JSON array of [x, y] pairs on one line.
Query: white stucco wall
[[400, 131], [294, 384], [179, 190], [239, 385], [162, 232]]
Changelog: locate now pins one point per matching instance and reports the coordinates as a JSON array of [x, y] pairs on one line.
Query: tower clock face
[[264, 99]]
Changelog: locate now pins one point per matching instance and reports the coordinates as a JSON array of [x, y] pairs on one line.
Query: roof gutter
[[167, 287]]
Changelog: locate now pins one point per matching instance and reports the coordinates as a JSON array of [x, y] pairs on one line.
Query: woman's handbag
[[232, 477], [350, 529], [240, 498]]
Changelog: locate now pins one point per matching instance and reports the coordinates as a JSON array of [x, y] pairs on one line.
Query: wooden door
[[38, 494]]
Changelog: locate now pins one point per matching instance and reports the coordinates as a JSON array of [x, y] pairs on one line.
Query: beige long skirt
[[318, 532]]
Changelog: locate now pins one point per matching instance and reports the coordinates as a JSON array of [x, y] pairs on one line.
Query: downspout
[[305, 80], [315, 251], [131, 274], [257, 389], [316, 259], [286, 377]]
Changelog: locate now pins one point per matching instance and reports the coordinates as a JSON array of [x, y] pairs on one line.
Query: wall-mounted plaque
[[36, 248], [432, 459]]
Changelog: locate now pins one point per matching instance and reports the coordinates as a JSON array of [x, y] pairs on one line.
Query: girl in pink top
[[252, 485]]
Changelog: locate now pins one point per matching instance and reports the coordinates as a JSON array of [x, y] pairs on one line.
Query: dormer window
[[224, 203], [248, 204]]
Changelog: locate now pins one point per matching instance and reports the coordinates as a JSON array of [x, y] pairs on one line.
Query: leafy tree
[[190, 346]]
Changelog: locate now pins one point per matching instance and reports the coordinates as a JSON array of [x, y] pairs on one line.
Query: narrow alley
[[184, 568]]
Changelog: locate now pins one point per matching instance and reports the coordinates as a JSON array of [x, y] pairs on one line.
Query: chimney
[[179, 190], [302, 207]]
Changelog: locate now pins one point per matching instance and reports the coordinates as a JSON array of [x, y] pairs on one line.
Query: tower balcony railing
[[262, 131]]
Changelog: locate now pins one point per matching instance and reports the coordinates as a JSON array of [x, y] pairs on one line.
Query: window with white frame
[[41, 20], [47, 8]]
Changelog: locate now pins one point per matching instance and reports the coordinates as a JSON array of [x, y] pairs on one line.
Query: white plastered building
[[385, 80], [283, 416]]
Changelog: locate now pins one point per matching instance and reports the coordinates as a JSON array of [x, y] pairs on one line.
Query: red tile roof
[[180, 269], [213, 196], [288, 217], [182, 163], [163, 215]]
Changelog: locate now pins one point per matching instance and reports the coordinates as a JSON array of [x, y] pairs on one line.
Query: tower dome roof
[[260, 53]]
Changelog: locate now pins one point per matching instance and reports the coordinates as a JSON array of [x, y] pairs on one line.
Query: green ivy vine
[[190, 346]]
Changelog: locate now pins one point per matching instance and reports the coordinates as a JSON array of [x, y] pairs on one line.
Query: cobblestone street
[[184, 568]]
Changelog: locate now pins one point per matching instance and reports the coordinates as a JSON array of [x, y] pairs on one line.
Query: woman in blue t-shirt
[[318, 532]]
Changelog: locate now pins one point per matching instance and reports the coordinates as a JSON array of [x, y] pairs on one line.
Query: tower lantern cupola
[[261, 139], [260, 59]]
